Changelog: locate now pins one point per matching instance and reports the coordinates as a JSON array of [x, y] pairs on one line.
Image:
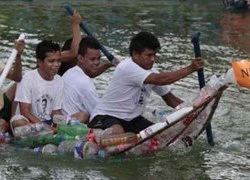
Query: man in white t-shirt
[[40, 92], [122, 105], [80, 96]]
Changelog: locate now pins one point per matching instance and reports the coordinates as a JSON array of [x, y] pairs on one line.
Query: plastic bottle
[[85, 149], [2, 138], [208, 90], [7, 137], [28, 130], [74, 122], [181, 144], [50, 149], [159, 114], [59, 119], [97, 134], [151, 129], [68, 146], [35, 141], [23, 131], [112, 140], [80, 130], [229, 77], [111, 150]]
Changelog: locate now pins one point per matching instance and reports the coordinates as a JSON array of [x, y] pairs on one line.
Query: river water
[[225, 36]]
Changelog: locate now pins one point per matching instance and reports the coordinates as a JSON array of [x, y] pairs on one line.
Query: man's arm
[[68, 55], [103, 67], [165, 78], [25, 110], [172, 100], [16, 73]]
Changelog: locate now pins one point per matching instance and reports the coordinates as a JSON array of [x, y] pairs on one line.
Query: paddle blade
[[110, 57], [69, 9], [9, 62]]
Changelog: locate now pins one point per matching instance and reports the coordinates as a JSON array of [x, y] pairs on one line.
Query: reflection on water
[[235, 30], [224, 36]]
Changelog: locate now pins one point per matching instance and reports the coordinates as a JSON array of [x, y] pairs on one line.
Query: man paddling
[[40, 93], [123, 103], [80, 96], [7, 98]]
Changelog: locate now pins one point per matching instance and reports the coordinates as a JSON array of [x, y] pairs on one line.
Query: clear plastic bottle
[[50, 149], [2, 138], [181, 144], [74, 122], [85, 149], [208, 90], [59, 119], [152, 129], [158, 113], [112, 140], [229, 78], [97, 134], [7, 137], [112, 150], [23, 131], [68, 146], [35, 129]]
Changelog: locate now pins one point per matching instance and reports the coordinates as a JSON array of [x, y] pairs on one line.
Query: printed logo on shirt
[[141, 97], [44, 107]]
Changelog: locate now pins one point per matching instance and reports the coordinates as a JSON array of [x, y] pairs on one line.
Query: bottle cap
[[39, 126], [38, 150], [78, 151], [102, 154]]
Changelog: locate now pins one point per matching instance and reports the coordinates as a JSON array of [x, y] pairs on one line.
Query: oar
[[110, 57], [9, 62], [197, 51]]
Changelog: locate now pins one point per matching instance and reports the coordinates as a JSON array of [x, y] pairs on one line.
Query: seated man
[[35, 109], [7, 98], [80, 96], [123, 103], [40, 92]]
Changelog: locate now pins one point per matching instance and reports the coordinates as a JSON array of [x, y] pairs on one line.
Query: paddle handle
[[9, 62], [110, 57], [197, 52]]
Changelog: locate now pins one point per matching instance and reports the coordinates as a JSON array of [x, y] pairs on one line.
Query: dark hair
[[88, 42], [142, 41], [44, 47], [67, 44]]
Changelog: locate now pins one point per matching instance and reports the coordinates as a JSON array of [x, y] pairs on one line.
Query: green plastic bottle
[[73, 130], [36, 141]]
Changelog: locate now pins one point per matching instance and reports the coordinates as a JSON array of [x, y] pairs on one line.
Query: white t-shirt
[[125, 98], [79, 92], [44, 96]]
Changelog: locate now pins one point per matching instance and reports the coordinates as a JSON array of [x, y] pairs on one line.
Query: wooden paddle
[[110, 57], [197, 51], [9, 62]]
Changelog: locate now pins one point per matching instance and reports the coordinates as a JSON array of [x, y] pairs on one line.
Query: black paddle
[[197, 51], [70, 11]]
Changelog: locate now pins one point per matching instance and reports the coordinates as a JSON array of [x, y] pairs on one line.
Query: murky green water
[[224, 36]]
